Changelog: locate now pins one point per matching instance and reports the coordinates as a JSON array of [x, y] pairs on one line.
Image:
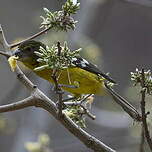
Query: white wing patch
[[80, 61], [85, 61], [83, 64]]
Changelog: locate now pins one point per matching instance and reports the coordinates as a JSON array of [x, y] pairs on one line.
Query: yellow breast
[[84, 81]]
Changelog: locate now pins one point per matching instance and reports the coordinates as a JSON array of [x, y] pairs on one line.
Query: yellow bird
[[83, 78]]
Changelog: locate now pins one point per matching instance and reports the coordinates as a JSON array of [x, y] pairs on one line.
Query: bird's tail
[[124, 104]]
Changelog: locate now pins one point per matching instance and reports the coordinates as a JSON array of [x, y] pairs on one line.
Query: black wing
[[84, 64]]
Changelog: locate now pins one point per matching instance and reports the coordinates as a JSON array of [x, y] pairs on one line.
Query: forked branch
[[39, 99]]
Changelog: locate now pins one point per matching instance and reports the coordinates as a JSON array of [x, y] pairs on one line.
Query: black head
[[26, 55], [26, 49]]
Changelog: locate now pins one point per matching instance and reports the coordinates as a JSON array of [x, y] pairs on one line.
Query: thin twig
[[3, 40], [141, 148], [57, 87], [59, 92], [80, 103], [21, 76], [124, 104], [86, 97], [88, 113], [6, 54], [27, 102], [72, 103], [68, 99], [143, 112], [29, 38]]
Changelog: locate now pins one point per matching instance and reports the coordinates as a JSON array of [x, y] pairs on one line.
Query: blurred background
[[114, 34]]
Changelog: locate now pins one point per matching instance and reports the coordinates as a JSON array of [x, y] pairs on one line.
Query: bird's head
[[25, 52]]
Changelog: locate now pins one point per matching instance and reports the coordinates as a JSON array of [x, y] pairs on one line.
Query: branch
[[59, 92], [144, 114], [27, 83], [57, 87], [141, 148], [88, 113], [80, 103], [124, 104], [6, 54], [87, 139], [39, 99], [29, 38], [27, 102], [3, 41]]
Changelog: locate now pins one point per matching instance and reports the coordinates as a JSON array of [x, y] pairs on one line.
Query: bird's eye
[[17, 53]]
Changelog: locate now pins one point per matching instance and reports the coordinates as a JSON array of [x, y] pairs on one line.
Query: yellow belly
[[85, 82]]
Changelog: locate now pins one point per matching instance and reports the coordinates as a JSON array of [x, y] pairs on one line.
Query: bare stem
[[141, 148], [88, 113], [31, 37], [80, 103], [27, 102], [144, 114], [5, 54], [27, 83], [124, 104], [3, 41], [59, 92], [57, 87]]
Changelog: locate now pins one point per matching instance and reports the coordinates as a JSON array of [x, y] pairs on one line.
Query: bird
[[81, 79]]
